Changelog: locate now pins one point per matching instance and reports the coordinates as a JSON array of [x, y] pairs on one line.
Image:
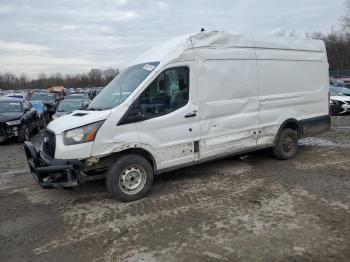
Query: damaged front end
[[53, 173]]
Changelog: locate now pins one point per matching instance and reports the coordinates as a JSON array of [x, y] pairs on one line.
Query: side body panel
[[292, 85], [228, 100]]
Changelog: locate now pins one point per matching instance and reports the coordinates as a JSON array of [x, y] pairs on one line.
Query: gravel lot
[[237, 209]]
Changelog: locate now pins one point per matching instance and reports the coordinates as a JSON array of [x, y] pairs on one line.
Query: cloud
[[21, 47], [70, 36]]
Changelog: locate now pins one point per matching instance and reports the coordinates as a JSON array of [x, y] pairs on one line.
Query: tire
[[336, 108], [287, 144], [23, 133], [130, 178]]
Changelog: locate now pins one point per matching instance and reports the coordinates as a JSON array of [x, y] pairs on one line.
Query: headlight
[[13, 123], [82, 134]]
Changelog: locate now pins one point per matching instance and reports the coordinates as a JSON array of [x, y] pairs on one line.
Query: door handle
[[190, 115]]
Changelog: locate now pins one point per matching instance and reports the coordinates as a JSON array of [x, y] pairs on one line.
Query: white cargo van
[[193, 99]]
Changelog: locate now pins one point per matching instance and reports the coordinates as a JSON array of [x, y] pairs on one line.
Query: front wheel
[[23, 133], [130, 178], [287, 144]]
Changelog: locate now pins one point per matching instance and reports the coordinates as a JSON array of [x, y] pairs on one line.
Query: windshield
[[38, 106], [341, 90], [69, 106], [42, 97], [334, 93], [9, 107], [117, 91]]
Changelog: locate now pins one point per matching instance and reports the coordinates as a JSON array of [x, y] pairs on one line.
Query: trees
[[110, 74], [346, 17], [338, 48], [95, 77]]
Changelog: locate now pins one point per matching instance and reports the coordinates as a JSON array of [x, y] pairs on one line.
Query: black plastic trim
[[42, 167], [316, 125]]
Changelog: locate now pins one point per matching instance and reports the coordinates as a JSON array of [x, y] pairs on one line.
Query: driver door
[[171, 117]]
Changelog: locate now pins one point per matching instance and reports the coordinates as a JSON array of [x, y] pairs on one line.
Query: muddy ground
[[251, 209]]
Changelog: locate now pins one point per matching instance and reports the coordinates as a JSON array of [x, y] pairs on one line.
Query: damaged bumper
[[7, 132], [52, 173]]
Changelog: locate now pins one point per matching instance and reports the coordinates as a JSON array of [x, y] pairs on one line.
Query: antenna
[[202, 30]]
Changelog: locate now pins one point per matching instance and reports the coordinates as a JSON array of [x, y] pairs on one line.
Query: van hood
[[76, 119], [4, 117]]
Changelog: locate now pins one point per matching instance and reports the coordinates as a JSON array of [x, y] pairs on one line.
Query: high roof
[[177, 49]]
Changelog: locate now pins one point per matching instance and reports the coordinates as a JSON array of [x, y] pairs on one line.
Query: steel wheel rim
[[288, 144], [132, 179]]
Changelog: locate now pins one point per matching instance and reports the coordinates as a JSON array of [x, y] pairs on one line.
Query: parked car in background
[[17, 119], [58, 95], [48, 99], [340, 90], [92, 94], [19, 95], [43, 112], [68, 106], [339, 104], [344, 82], [336, 83], [78, 95]]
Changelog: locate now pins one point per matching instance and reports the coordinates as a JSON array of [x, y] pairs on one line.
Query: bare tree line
[[338, 49], [346, 18], [96, 77], [337, 44]]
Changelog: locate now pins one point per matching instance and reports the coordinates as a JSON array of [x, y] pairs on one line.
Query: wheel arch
[[291, 123], [136, 151]]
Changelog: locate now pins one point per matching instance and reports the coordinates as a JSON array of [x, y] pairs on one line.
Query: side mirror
[[133, 115], [26, 110]]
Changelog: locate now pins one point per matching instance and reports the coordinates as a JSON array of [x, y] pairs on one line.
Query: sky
[[73, 36]]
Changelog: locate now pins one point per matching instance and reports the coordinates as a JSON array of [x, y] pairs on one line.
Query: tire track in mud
[[107, 217]]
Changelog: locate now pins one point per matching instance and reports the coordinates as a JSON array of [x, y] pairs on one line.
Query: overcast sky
[[71, 36]]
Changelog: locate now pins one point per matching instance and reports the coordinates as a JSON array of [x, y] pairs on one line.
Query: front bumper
[[52, 173], [339, 107], [7, 132], [346, 107]]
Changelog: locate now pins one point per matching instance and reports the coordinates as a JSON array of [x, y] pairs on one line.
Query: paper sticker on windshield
[[148, 67]]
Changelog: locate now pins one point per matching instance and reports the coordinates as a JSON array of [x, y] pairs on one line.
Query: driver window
[[167, 93]]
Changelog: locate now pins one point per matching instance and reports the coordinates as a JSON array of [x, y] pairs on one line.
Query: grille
[[49, 143]]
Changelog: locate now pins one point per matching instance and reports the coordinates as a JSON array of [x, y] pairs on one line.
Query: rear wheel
[[287, 144], [130, 178]]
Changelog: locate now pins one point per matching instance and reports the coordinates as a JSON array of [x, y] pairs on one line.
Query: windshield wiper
[[93, 109]]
